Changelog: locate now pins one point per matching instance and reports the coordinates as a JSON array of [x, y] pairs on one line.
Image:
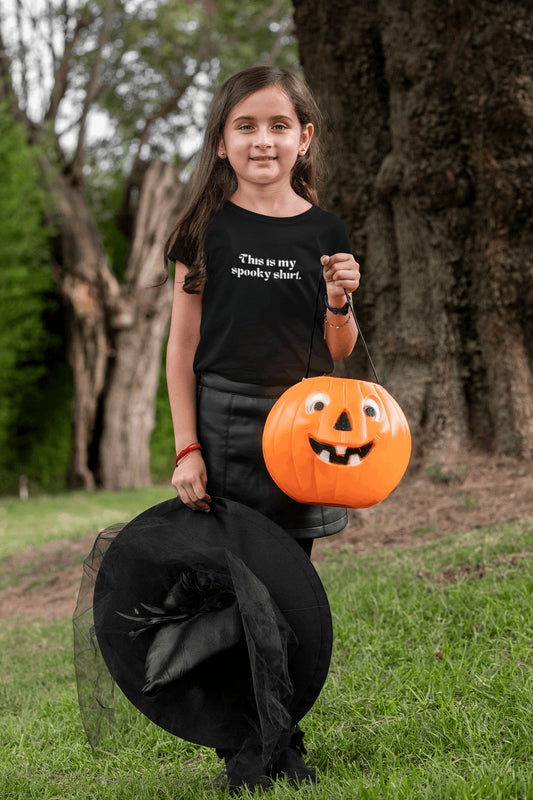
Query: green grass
[[431, 689], [429, 695], [70, 515]]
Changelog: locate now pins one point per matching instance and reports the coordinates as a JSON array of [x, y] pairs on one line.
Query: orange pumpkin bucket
[[336, 442]]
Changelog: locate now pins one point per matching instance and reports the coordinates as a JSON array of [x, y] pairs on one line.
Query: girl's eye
[[316, 402], [279, 126], [372, 409]]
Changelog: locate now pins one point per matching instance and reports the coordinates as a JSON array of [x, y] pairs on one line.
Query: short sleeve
[[177, 251]]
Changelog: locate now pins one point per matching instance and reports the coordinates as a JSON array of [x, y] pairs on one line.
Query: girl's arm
[[341, 271], [190, 477]]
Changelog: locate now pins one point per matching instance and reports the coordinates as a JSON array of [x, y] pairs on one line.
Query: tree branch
[[61, 69], [273, 11], [278, 44], [93, 87], [61, 75], [210, 10], [49, 15], [165, 108], [23, 100], [6, 84]]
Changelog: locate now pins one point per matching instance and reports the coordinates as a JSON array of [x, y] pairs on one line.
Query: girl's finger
[[185, 496], [194, 498], [350, 282], [201, 498], [345, 274]]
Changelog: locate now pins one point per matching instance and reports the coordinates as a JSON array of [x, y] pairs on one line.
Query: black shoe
[[237, 780], [289, 762]]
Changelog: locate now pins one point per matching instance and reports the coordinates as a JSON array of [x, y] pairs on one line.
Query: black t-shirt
[[259, 299]]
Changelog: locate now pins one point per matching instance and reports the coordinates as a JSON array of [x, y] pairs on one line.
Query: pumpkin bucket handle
[[360, 334], [359, 331]]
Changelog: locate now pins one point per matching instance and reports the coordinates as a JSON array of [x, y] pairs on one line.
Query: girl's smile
[[263, 138]]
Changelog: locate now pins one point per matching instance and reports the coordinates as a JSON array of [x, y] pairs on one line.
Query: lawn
[[429, 695], [70, 515]]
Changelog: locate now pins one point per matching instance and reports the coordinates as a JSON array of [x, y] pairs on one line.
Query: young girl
[[261, 273]]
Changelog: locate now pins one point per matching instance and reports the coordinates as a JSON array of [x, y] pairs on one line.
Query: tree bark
[[139, 333], [80, 264], [115, 331], [430, 118]]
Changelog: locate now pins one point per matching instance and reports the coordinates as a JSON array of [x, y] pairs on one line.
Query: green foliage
[[33, 388], [162, 448], [438, 474], [429, 694], [170, 55], [25, 276], [41, 438]]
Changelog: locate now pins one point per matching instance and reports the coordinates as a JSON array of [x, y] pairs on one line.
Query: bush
[[35, 389]]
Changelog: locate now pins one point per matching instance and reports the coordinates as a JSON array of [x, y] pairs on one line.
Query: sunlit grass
[[429, 695], [70, 515]]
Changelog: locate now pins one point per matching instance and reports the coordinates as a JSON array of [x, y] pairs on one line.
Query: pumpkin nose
[[343, 423]]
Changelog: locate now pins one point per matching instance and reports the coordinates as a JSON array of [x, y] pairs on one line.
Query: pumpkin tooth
[[340, 454]]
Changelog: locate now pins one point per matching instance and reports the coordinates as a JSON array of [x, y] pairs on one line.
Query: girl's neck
[[284, 203]]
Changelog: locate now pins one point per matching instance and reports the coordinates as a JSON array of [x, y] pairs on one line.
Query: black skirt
[[231, 417]]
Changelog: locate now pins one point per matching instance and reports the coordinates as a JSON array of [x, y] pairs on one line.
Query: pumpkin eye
[[316, 402], [371, 409]]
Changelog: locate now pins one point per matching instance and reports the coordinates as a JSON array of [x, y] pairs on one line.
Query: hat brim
[[213, 704]]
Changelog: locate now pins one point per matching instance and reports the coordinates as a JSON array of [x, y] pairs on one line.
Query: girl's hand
[[341, 271], [190, 481]]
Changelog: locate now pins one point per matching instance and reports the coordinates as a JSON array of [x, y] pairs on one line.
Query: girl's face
[[263, 138]]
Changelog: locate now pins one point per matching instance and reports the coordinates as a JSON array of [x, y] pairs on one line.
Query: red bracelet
[[186, 450]]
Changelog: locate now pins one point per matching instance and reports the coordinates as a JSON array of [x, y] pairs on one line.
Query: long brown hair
[[214, 180]]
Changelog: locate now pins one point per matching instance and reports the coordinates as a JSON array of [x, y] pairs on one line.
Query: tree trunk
[[80, 264], [140, 330], [115, 332], [430, 110]]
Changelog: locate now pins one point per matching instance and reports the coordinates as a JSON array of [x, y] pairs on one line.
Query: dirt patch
[[476, 491], [47, 580], [472, 571]]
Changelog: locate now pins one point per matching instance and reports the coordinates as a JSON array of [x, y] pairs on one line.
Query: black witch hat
[[215, 625]]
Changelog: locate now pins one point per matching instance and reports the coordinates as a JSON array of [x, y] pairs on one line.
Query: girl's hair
[[214, 180]]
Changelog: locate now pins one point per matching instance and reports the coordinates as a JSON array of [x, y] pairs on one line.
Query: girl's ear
[[221, 149], [305, 138]]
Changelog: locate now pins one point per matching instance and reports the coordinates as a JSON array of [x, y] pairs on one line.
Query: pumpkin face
[[336, 442]]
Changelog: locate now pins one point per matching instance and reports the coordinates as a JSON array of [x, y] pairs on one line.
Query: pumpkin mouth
[[340, 454]]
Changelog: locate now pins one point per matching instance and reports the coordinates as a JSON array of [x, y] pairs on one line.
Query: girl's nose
[[264, 138]]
